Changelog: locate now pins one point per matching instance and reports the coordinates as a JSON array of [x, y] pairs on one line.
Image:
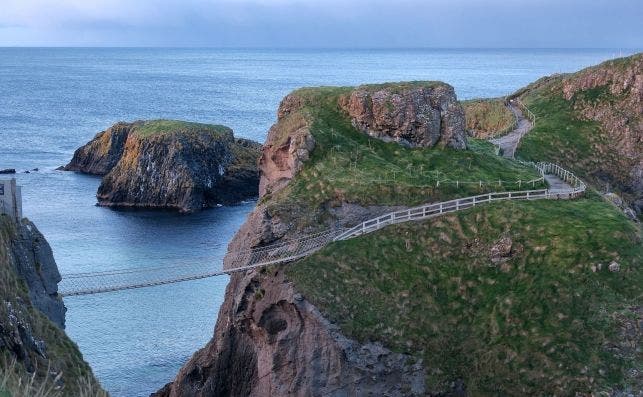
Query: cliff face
[[170, 164], [621, 117], [413, 114], [270, 340], [32, 317], [34, 262], [287, 147], [102, 153], [592, 121]]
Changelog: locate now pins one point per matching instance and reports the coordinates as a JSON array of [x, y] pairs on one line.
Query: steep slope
[[508, 299], [170, 164], [592, 122], [32, 318], [320, 170]]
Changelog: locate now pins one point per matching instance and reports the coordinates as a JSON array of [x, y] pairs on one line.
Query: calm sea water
[[54, 100]]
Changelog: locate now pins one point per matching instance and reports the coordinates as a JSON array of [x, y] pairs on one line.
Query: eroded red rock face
[[415, 116], [287, 146], [270, 341], [621, 117]]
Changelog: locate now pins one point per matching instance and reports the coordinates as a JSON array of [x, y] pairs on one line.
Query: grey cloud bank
[[324, 23]]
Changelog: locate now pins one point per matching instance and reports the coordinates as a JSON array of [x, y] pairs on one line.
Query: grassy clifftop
[[348, 166], [513, 298], [159, 127]]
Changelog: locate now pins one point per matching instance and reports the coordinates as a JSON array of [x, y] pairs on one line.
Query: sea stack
[[170, 164]]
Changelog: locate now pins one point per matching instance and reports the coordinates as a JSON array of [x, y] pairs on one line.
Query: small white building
[[10, 199]]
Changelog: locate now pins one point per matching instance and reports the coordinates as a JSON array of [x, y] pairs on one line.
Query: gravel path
[[508, 143]]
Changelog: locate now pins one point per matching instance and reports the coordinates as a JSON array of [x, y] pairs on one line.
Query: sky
[[324, 23]]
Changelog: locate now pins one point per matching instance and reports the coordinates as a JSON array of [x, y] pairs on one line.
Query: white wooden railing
[[287, 251]]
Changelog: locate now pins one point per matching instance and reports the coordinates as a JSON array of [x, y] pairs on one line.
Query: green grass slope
[[543, 321], [488, 117], [348, 166]]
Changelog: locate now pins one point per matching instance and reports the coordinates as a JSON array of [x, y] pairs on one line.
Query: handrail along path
[[568, 186]]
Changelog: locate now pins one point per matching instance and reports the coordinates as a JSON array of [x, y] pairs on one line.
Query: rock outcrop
[[32, 317], [419, 114], [287, 147], [34, 262], [422, 114], [170, 165]]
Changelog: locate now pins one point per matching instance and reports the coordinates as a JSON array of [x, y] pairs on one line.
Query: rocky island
[[35, 352], [170, 165]]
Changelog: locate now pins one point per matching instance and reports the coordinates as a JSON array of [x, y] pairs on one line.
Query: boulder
[[501, 250]]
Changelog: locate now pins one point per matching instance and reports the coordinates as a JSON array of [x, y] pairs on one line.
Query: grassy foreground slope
[[592, 122], [348, 166], [545, 317]]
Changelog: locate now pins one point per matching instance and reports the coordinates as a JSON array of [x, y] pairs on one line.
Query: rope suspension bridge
[[563, 184]]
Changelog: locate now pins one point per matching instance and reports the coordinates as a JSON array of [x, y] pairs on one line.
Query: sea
[[53, 100]]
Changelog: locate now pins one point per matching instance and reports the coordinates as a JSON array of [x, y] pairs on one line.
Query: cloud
[[323, 23]]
